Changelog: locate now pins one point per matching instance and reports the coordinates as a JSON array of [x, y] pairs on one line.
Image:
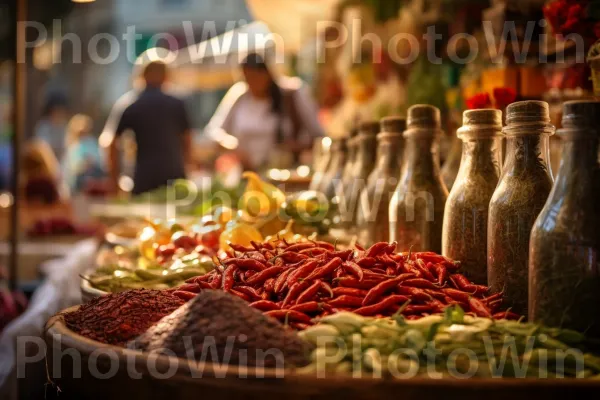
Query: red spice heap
[[119, 317], [296, 282]]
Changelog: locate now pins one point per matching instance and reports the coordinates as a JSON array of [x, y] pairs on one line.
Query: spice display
[[372, 218], [449, 345], [417, 205], [119, 317], [349, 192], [333, 174], [239, 334], [522, 191], [564, 264], [298, 282], [466, 215]]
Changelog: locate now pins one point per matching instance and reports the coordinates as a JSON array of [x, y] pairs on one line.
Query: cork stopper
[[582, 114], [393, 124], [423, 116], [528, 117], [370, 128], [481, 123]]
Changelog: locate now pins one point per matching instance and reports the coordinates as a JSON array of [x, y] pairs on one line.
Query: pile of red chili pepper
[[297, 282]]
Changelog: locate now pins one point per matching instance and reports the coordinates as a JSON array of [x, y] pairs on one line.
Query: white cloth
[[61, 289], [253, 123]]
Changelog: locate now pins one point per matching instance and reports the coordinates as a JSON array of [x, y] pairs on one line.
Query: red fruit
[[210, 237], [165, 251]]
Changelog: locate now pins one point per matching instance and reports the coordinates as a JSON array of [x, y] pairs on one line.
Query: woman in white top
[[261, 115]]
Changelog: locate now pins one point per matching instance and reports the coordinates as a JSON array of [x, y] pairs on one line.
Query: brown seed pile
[[217, 323]]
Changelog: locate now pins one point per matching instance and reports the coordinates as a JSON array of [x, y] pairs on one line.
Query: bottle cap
[[369, 128], [530, 116], [393, 124], [423, 116], [581, 114], [481, 123]]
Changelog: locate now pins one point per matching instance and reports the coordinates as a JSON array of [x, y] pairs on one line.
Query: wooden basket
[[193, 380]]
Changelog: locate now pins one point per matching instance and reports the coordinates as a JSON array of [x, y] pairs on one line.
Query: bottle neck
[[579, 166], [526, 153], [365, 152], [421, 155], [481, 157], [388, 156]]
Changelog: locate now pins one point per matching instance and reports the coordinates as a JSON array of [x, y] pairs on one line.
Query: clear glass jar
[[417, 205], [523, 189], [372, 219], [466, 216], [452, 164], [333, 174], [366, 151], [564, 259]]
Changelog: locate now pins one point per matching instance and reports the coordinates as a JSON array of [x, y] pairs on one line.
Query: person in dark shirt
[[161, 129]]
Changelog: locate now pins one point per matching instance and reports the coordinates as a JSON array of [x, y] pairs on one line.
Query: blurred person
[[263, 114], [40, 173], [83, 163], [51, 127], [161, 128]]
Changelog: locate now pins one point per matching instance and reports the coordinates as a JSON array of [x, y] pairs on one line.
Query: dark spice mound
[[119, 317], [217, 323]]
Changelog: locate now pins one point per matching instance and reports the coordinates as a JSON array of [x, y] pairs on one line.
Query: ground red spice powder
[[119, 317]]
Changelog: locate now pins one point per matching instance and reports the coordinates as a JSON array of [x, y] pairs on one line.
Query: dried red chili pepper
[[264, 305], [479, 308], [492, 297], [290, 315], [325, 270], [420, 264], [457, 295], [325, 286], [311, 306], [313, 252], [354, 268], [269, 285], [281, 280], [339, 291], [216, 282], [418, 309], [415, 293], [264, 275], [300, 246], [346, 301], [351, 282], [366, 262], [184, 295], [302, 272], [343, 254], [506, 315], [382, 288], [420, 283], [228, 280], [240, 248], [250, 291], [292, 257], [295, 290], [310, 292], [241, 295], [250, 263], [376, 249], [382, 305], [189, 287]]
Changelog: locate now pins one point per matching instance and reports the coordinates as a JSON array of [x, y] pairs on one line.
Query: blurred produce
[[59, 226], [447, 345]]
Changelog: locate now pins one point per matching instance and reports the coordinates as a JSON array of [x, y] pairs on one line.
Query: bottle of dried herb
[[417, 205], [366, 150], [333, 174], [372, 218], [523, 189], [466, 215], [564, 259], [452, 164]]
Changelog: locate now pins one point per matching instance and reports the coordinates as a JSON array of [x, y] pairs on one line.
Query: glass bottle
[[466, 215], [366, 150], [452, 164], [351, 144], [564, 259], [372, 218], [322, 157], [417, 205], [333, 174], [523, 189]]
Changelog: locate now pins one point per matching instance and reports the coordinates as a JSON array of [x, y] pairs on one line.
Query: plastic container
[[564, 255], [466, 215]]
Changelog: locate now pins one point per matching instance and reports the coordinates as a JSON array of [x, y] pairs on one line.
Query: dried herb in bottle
[[372, 218], [518, 199], [564, 259], [348, 193], [466, 215], [333, 174], [417, 205]]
